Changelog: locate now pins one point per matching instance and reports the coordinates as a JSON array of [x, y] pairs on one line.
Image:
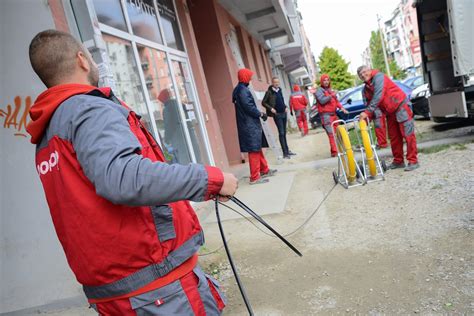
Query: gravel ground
[[403, 245]]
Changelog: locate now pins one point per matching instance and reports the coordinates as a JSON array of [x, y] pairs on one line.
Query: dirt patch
[[404, 245]]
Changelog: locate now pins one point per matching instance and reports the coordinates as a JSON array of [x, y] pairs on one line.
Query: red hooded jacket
[[381, 92], [120, 212], [298, 100], [326, 98]]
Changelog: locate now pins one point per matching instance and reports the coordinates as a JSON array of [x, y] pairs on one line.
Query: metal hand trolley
[[350, 171], [373, 167]]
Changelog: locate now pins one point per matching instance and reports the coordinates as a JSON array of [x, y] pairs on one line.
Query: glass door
[[190, 109], [165, 105]]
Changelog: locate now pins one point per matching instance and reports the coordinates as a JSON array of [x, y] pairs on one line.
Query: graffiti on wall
[[16, 117]]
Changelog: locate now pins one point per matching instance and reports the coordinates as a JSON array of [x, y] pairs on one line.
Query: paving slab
[[263, 199]]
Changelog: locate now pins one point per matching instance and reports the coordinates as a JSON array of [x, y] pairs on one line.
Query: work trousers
[[195, 293], [326, 121], [280, 121], [258, 165], [380, 128], [302, 121], [401, 126]]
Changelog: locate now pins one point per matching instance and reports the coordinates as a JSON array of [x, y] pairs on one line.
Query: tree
[[378, 62], [332, 63]]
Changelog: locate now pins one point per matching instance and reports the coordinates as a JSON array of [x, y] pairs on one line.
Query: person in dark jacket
[[274, 103], [251, 137]]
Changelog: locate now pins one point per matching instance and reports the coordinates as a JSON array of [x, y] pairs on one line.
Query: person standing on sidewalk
[[298, 104], [274, 103], [121, 213], [251, 137], [327, 106], [387, 97]]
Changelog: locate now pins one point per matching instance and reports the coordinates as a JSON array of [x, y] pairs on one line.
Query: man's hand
[[273, 111], [229, 187], [345, 111], [363, 116]]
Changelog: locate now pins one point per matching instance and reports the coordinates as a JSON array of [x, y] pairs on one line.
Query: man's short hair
[[362, 68], [275, 78], [52, 55]]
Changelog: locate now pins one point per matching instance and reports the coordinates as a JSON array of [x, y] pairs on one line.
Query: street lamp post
[[383, 47]]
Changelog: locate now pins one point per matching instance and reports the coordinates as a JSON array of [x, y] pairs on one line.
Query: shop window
[[169, 22], [183, 81], [165, 105], [144, 20], [125, 72], [109, 12]]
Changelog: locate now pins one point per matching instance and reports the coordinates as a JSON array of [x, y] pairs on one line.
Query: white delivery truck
[[446, 31]]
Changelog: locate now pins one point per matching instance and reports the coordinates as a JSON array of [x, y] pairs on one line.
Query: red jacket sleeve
[[215, 180]]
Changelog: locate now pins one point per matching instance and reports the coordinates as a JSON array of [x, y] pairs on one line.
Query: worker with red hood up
[[298, 104], [120, 211], [249, 128], [327, 106], [383, 95]]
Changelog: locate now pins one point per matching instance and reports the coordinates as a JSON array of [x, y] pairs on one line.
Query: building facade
[[174, 62], [401, 35]]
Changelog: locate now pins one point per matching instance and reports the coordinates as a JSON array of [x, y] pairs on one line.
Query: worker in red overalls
[[298, 104], [387, 97], [327, 106], [121, 212]]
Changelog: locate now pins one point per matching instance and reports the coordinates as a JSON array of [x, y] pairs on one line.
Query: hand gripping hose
[[229, 256]]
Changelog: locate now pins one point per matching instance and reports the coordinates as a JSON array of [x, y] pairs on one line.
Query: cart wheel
[[384, 166], [335, 177], [364, 133]]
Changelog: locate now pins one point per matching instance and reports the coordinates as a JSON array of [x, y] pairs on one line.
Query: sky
[[343, 24]]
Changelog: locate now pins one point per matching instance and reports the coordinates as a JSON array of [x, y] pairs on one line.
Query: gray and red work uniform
[[120, 212], [385, 98], [327, 106], [298, 104]]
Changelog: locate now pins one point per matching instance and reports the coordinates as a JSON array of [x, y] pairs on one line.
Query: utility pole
[[383, 47]]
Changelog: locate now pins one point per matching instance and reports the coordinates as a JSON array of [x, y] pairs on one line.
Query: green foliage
[[331, 63], [378, 62], [395, 71]]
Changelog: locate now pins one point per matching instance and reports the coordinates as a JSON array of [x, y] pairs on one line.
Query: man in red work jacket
[[387, 97], [327, 106], [120, 211], [298, 104]]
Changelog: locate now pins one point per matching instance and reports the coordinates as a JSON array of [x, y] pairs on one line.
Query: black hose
[[236, 274], [258, 218]]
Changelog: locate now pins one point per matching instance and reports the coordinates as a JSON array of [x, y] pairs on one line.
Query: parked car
[[414, 82], [342, 93], [419, 100]]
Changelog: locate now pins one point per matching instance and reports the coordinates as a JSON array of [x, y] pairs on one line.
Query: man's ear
[[83, 61]]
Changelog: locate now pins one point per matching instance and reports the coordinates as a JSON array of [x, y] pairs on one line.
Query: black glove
[[291, 113], [264, 116]]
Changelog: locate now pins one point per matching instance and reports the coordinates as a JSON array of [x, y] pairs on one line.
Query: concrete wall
[[213, 124], [218, 74], [211, 23], [33, 268]]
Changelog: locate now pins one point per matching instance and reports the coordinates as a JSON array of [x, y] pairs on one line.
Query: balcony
[[264, 19]]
